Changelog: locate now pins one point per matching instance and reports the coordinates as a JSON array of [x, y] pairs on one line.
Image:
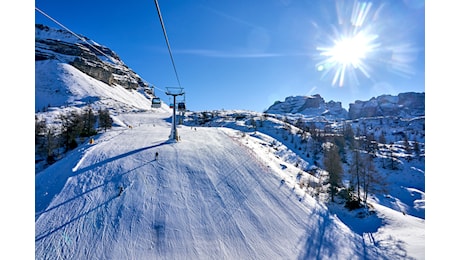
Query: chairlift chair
[[156, 102], [181, 106]]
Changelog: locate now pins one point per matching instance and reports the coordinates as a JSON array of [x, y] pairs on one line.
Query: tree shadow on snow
[[60, 227], [49, 185], [361, 221], [317, 242]]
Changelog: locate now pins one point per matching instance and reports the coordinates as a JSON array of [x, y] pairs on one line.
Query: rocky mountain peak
[[313, 105], [409, 104], [405, 105], [84, 54]]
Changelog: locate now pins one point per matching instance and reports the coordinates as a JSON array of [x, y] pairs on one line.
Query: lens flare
[[360, 42], [351, 45], [348, 54]]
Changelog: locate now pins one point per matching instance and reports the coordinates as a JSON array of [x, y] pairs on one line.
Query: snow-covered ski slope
[[207, 196]]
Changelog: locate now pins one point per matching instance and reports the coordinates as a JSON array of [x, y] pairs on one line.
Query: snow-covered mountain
[[238, 184], [61, 56], [311, 106], [405, 105]]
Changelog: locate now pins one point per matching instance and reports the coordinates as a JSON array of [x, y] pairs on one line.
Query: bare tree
[[372, 180], [369, 176], [356, 172]]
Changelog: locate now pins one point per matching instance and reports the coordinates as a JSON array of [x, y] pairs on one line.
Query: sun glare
[[363, 44], [347, 53], [350, 49]]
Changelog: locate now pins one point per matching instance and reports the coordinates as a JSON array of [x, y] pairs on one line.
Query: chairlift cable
[[76, 35], [167, 41], [110, 58], [155, 88]]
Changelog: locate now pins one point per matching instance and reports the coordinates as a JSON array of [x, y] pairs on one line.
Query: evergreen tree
[[416, 149], [71, 127], [348, 132], [371, 145], [333, 165], [392, 158], [40, 129], [89, 121], [105, 121], [51, 144], [407, 147], [339, 141], [46, 141]]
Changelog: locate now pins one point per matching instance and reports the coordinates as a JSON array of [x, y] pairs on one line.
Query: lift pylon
[[174, 92]]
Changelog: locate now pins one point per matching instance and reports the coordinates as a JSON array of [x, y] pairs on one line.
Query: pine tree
[[416, 149], [51, 144], [105, 121], [333, 165], [46, 141], [89, 120], [71, 127], [40, 129], [407, 146], [348, 132]]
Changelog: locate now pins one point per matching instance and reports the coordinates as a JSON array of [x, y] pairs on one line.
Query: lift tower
[[176, 92]]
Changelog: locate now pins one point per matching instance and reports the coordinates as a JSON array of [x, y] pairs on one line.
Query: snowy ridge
[[44, 32], [63, 68], [60, 84]]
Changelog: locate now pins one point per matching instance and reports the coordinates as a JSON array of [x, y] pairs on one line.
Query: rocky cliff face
[[404, 105], [89, 57], [309, 106]]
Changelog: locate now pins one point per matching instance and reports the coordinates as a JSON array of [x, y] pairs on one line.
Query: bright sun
[[349, 51], [354, 49], [347, 54], [353, 45]]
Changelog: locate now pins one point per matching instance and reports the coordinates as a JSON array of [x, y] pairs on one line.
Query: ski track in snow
[[205, 197]]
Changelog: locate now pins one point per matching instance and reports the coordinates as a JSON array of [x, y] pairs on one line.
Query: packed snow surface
[[208, 196]]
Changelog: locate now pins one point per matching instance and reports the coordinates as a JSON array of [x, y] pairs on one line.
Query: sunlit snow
[[221, 192]]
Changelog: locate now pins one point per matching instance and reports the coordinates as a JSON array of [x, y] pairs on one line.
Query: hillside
[[208, 195], [238, 184]]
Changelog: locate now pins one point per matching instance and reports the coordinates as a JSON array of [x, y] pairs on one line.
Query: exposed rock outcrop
[[404, 105], [89, 57], [410, 104], [309, 106]]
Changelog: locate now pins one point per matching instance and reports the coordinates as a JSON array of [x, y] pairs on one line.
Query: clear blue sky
[[235, 54]]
